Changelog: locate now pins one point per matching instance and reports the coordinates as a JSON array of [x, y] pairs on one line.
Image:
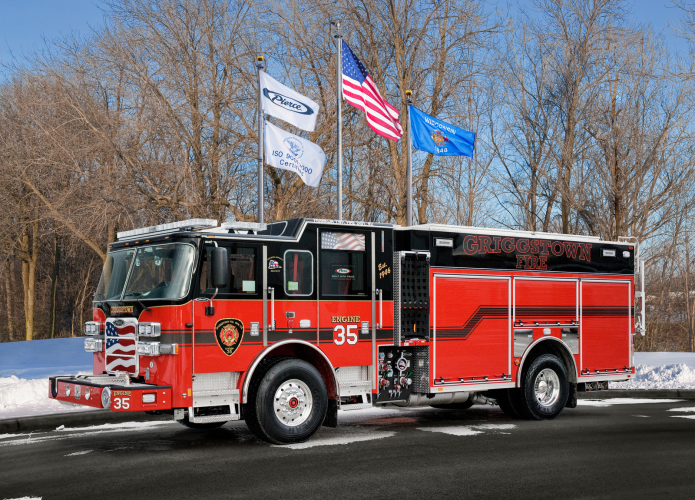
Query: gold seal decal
[[229, 332]]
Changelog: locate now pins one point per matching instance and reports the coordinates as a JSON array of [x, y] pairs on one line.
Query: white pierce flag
[[290, 152], [286, 104]]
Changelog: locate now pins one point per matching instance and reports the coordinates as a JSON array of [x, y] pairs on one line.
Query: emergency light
[[191, 224]]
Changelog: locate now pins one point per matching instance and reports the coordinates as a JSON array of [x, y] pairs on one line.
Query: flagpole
[[337, 34], [409, 167], [261, 128]]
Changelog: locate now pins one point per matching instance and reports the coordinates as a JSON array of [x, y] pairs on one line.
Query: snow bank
[[22, 398], [680, 376]]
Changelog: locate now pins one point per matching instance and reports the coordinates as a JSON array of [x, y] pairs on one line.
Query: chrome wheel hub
[[547, 387], [292, 403]]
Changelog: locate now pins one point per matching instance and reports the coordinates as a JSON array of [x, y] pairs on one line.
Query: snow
[[352, 437], [25, 366], [623, 401], [21, 398], [661, 370], [469, 430]]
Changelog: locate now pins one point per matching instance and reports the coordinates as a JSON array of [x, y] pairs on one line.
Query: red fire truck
[[284, 324]]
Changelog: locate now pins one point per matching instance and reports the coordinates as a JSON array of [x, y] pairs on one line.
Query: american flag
[[360, 90], [342, 241], [120, 348]]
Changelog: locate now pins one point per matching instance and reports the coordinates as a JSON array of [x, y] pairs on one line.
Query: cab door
[[346, 300], [227, 322]]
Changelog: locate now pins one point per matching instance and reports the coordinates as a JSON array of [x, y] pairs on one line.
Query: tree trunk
[[54, 285], [30, 250], [8, 294]]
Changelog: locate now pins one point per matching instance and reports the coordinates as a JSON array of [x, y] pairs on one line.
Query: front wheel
[[288, 403], [546, 389]]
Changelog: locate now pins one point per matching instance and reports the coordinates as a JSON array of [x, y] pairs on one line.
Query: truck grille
[[121, 349]]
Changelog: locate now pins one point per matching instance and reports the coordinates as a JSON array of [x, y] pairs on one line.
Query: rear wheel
[[288, 403], [545, 389], [508, 401]]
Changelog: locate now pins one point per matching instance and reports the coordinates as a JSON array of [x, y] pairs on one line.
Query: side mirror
[[219, 266]]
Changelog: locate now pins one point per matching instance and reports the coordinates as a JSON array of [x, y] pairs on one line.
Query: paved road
[[637, 450]]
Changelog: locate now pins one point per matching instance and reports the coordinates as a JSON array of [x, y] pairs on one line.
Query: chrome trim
[[534, 344], [293, 402], [249, 374], [372, 369], [265, 295], [547, 387]]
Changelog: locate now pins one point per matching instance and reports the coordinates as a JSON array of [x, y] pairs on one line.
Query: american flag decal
[[120, 348], [342, 241]]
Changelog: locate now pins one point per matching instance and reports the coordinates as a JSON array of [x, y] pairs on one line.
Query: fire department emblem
[[229, 333], [439, 138]]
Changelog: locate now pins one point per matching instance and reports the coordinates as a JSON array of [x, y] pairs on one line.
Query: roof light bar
[[167, 228], [250, 226]]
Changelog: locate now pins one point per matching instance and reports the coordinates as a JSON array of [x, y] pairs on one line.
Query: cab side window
[[299, 272], [343, 264], [242, 272]]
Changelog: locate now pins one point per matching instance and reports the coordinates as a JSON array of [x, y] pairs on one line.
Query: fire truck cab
[[284, 324]]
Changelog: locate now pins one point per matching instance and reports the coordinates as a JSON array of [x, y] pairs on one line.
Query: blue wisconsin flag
[[438, 137]]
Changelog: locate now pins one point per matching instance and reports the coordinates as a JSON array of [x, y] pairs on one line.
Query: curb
[[639, 394], [95, 417]]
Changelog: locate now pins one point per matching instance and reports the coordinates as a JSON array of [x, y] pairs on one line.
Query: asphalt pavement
[[615, 449]]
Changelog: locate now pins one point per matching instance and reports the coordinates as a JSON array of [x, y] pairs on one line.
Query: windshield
[[156, 272]]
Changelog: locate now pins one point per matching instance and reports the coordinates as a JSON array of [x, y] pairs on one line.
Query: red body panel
[[472, 331], [606, 318]]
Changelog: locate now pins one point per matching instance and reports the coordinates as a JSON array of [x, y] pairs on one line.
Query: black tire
[[509, 402], [455, 406], [193, 425], [531, 406], [268, 423]]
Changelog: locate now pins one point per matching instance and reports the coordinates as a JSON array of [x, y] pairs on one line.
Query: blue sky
[[25, 23]]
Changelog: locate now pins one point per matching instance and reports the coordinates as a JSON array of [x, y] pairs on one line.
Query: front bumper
[[109, 392]]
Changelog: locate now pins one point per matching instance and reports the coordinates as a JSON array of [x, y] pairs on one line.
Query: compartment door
[[606, 325], [472, 328]]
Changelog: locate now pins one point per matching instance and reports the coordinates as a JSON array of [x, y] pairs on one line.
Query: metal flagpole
[[337, 34], [409, 175], [261, 129]]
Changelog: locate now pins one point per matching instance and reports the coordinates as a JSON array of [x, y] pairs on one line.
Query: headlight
[[91, 328], [106, 397], [149, 329], [148, 348], [67, 390], [86, 393], [93, 345], [148, 398]]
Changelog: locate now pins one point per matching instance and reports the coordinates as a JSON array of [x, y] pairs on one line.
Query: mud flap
[[572, 398], [331, 419]]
